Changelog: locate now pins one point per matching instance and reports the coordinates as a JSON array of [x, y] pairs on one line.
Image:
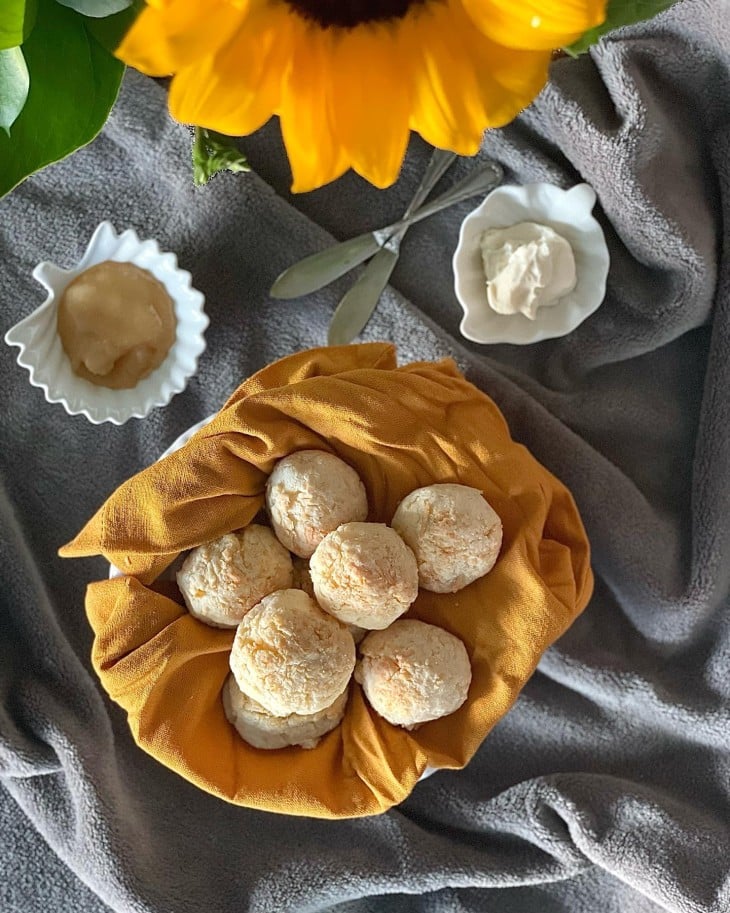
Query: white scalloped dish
[[568, 212], [42, 354]]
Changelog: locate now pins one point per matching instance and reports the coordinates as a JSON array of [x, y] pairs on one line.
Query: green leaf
[[619, 13], [110, 30], [17, 18], [73, 84], [213, 152], [14, 85], [97, 9]]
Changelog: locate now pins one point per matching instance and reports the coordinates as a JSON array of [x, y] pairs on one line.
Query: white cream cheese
[[527, 266]]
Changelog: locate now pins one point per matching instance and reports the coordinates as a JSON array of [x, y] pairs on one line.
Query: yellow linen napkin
[[400, 428]]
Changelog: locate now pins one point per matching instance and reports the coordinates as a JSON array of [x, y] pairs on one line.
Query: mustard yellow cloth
[[400, 428]]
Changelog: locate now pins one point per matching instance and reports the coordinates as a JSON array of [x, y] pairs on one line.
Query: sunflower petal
[[447, 108], [347, 96], [508, 80], [168, 36], [535, 24], [237, 90], [315, 156], [366, 69]]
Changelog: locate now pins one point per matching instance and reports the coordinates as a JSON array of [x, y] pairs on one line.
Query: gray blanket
[[607, 787]]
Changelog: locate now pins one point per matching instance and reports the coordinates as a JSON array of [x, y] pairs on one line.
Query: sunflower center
[[349, 13]]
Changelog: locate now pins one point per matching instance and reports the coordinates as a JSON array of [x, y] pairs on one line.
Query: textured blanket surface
[[606, 788]]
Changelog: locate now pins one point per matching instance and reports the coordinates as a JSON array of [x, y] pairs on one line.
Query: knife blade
[[323, 267], [357, 305], [318, 270]]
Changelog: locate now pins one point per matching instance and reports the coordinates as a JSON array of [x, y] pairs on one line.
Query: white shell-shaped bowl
[[43, 355], [568, 212]]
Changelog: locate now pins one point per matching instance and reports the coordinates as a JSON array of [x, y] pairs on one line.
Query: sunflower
[[350, 78]]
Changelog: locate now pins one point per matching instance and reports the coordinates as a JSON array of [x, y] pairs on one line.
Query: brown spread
[[116, 323]]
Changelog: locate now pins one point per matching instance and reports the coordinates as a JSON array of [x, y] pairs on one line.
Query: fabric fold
[[400, 428]]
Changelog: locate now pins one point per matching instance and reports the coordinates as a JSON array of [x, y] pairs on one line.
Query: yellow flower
[[350, 78]]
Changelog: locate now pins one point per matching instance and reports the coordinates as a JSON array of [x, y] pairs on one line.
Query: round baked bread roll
[[262, 729], [309, 494], [364, 574], [303, 581], [290, 656], [221, 580], [413, 672], [454, 533]]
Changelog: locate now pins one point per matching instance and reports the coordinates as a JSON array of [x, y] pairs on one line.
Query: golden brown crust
[[262, 729], [221, 580], [309, 494]]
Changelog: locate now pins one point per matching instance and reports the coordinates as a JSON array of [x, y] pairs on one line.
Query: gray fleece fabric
[[607, 787]]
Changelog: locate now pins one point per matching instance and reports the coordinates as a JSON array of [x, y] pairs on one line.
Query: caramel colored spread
[[116, 323]]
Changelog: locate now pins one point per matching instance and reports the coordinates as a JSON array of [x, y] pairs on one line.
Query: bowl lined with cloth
[[400, 428]]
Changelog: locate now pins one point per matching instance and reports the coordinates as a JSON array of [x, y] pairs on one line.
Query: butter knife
[[357, 305], [318, 270]]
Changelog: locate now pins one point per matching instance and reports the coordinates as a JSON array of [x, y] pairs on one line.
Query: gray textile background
[[607, 788]]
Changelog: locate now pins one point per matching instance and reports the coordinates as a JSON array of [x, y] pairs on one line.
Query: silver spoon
[[318, 270]]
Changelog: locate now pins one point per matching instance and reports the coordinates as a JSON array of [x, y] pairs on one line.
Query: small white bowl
[[568, 212], [43, 355]]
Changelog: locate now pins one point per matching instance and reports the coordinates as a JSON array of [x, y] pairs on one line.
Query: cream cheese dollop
[[527, 266]]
